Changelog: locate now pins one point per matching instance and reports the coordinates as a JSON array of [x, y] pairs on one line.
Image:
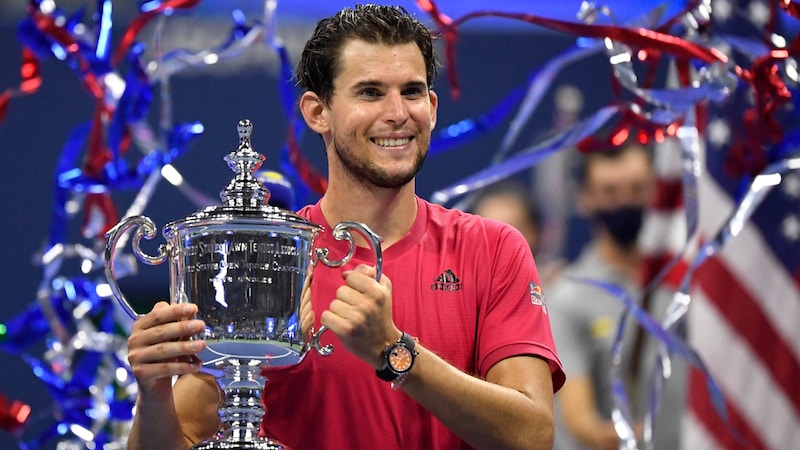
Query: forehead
[[499, 202], [628, 167], [361, 61]]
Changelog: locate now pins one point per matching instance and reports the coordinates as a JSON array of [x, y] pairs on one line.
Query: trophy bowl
[[244, 265]]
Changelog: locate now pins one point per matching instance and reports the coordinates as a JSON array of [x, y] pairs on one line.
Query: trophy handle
[[145, 228], [341, 232]]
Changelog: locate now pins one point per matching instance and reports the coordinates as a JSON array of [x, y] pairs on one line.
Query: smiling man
[[452, 349]]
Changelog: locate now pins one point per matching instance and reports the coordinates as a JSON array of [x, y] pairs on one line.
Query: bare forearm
[[156, 426], [582, 417], [486, 415]]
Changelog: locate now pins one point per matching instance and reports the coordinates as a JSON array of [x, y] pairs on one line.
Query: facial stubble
[[365, 169]]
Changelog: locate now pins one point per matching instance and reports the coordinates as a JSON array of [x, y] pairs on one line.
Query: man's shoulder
[[567, 284], [305, 211], [463, 222]]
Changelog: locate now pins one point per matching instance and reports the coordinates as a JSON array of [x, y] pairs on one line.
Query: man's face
[[381, 114], [613, 183]]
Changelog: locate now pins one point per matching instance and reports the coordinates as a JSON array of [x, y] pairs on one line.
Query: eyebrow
[[375, 83]]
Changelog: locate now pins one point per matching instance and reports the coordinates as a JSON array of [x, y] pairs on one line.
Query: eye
[[413, 91], [369, 92]]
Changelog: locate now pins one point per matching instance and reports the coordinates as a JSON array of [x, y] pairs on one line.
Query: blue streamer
[[66, 161], [117, 177], [288, 98], [24, 329], [69, 380], [132, 106], [528, 157], [465, 130], [105, 26], [665, 337], [539, 84]]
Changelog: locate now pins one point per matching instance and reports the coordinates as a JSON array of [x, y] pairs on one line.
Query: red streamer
[[313, 179], [47, 25], [790, 7], [97, 156], [13, 414], [760, 126], [31, 74], [99, 215], [31, 81], [141, 20], [630, 127], [450, 37], [760, 123], [5, 99], [640, 38]]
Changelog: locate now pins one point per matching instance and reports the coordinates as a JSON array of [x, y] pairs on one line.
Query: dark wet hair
[[581, 168], [375, 24]]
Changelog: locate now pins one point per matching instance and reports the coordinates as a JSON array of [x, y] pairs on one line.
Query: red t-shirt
[[465, 287]]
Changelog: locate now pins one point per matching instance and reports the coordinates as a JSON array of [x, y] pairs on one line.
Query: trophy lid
[[245, 198], [244, 190]]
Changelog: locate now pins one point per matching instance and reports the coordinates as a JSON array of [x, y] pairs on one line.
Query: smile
[[384, 142]]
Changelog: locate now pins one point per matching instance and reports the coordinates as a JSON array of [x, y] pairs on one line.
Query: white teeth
[[392, 142]]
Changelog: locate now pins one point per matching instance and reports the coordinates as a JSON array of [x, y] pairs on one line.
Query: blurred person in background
[[614, 189], [510, 202]]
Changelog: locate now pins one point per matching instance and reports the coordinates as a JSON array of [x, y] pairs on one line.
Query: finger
[[309, 277], [338, 325], [345, 310], [306, 315], [366, 274], [165, 352], [306, 323], [364, 269], [168, 332], [305, 294], [165, 313], [188, 359], [306, 309], [360, 281], [164, 369]]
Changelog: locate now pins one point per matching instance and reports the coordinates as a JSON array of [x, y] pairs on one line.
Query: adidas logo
[[447, 281]]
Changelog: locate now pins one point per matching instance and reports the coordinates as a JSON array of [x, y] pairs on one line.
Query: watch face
[[400, 359]]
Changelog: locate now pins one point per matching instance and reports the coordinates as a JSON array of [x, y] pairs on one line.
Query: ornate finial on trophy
[[244, 190], [245, 129]]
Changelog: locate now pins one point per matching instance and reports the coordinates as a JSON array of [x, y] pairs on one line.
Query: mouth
[[391, 142]]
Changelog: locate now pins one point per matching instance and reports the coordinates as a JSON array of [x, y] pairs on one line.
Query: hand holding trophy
[[244, 265]]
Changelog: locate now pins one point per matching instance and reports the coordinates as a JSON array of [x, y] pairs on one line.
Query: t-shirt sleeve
[[513, 318]]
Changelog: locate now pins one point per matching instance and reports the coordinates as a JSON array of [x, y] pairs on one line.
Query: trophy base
[[238, 444]]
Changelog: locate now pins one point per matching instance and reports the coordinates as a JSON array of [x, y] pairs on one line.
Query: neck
[[623, 260], [388, 212]]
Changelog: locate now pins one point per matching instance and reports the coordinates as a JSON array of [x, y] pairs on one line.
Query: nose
[[395, 108]]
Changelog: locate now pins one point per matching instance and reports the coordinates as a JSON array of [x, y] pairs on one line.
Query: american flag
[[744, 315], [746, 310], [745, 301]]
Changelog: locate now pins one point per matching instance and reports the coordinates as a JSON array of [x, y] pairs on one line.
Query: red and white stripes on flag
[[744, 316], [744, 324]]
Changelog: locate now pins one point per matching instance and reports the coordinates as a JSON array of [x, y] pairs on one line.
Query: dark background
[[491, 61]]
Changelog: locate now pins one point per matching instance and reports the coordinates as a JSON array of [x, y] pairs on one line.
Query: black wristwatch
[[398, 359]]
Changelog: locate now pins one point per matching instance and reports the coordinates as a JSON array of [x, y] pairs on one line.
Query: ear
[[434, 107], [314, 112]]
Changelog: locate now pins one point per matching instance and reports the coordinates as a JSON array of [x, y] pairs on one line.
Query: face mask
[[623, 224]]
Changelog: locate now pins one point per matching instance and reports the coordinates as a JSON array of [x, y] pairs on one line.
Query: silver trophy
[[244, 265]]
